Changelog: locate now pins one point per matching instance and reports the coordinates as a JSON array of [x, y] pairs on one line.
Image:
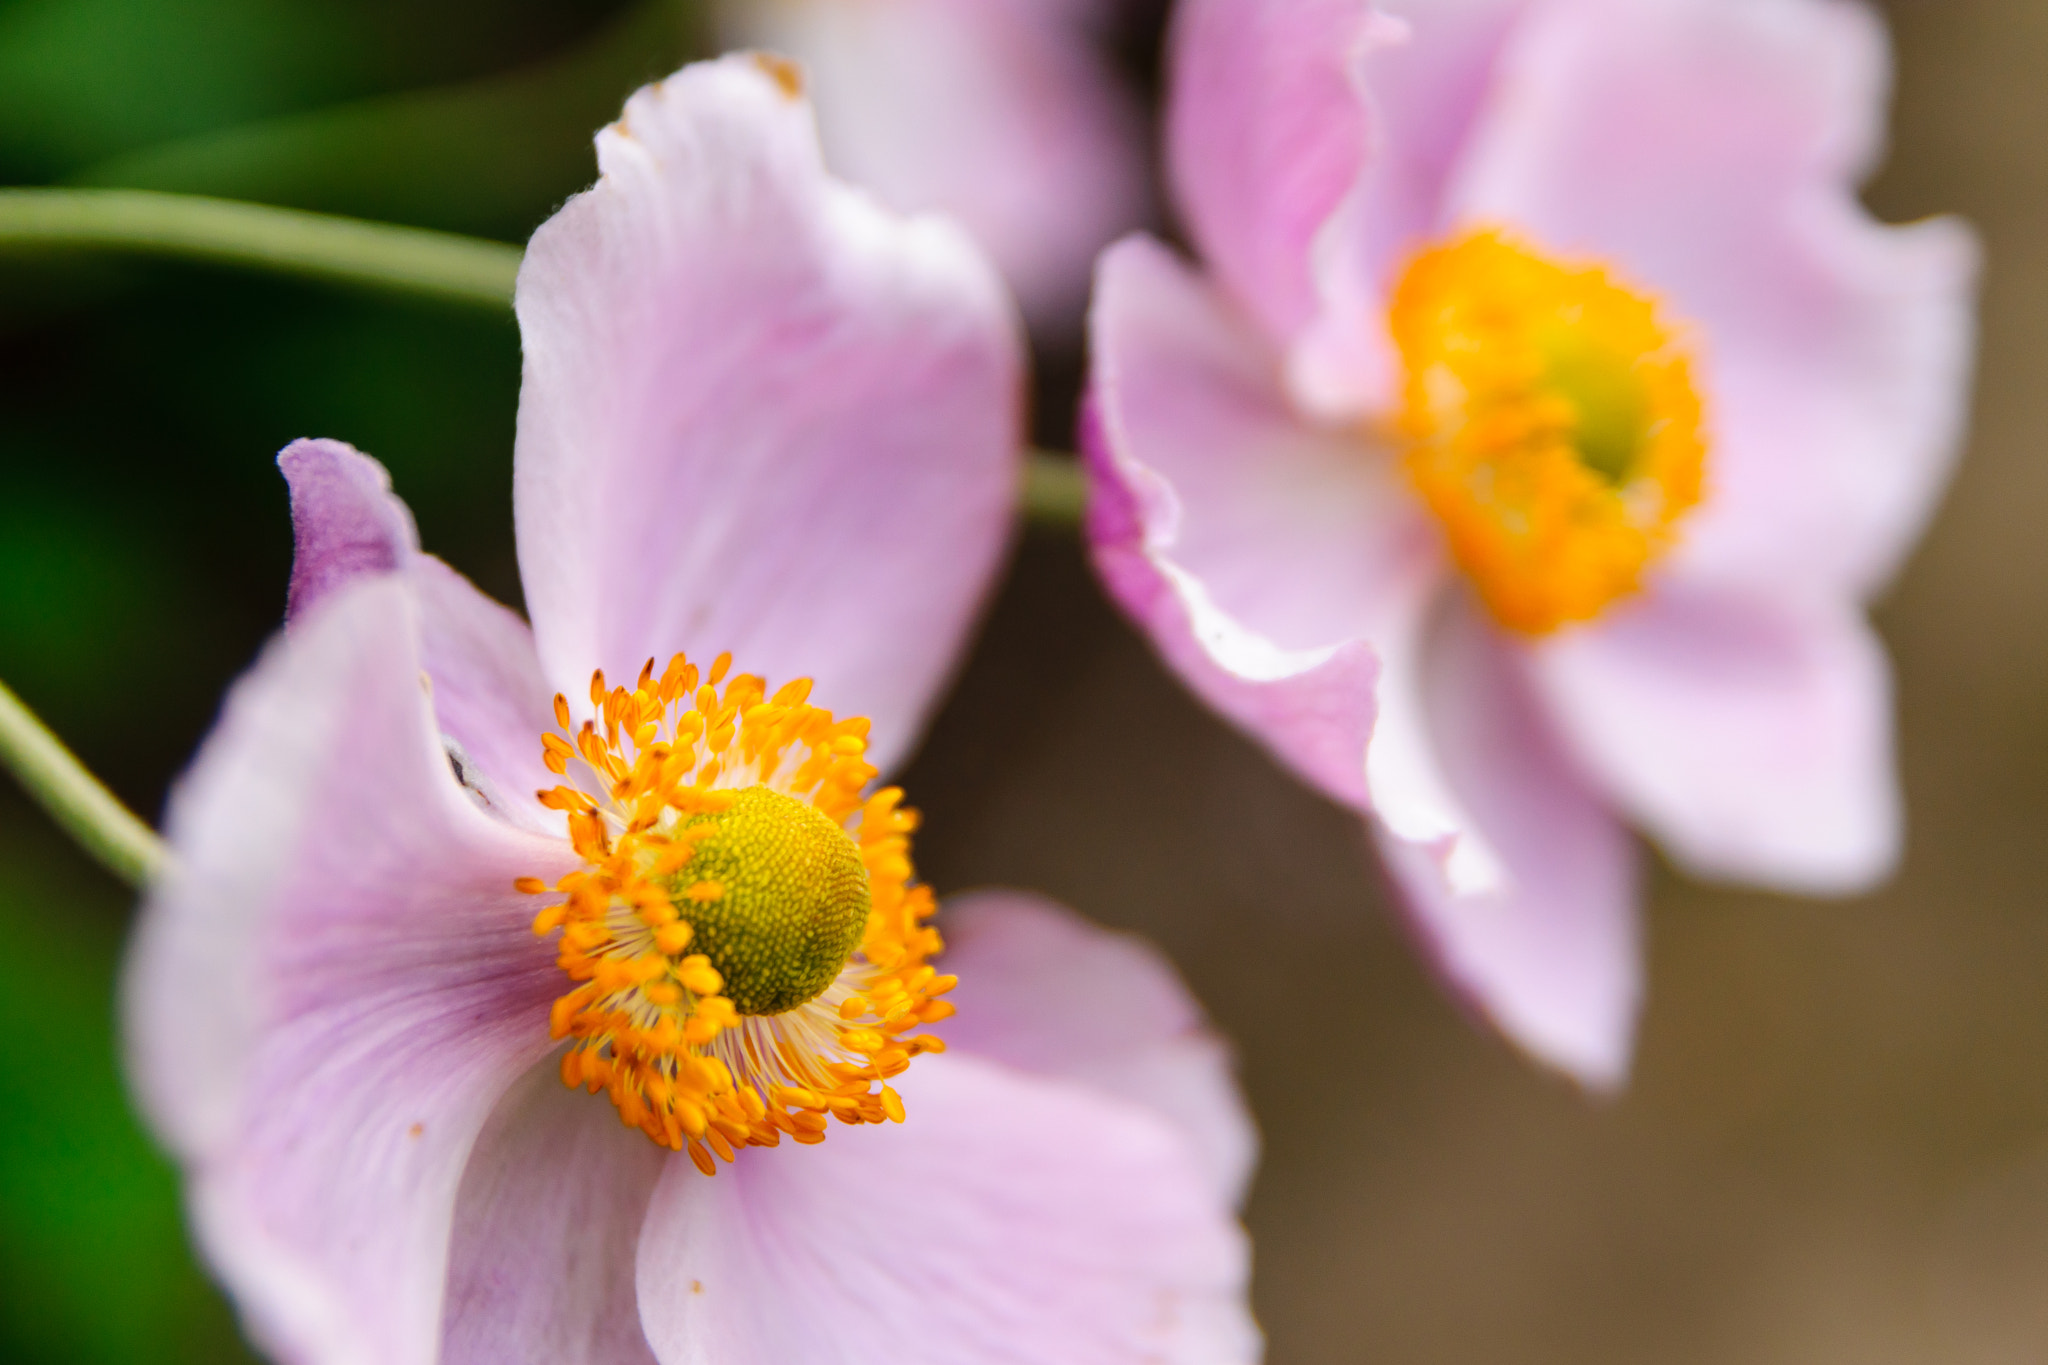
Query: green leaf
[[92, 1245]]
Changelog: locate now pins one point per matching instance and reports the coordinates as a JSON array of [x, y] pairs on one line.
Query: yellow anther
[[739, 841], [698, 974], [1553, 425]]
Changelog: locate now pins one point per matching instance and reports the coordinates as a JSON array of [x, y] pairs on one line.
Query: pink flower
[[1524, 461], [1001, 113], [761, 414]]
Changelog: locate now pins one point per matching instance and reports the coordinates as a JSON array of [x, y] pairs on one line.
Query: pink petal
[[1266, 134], [1425, 94], [1012, 1219], [547, 1227], [1711, 149], [1259, 553], [1000, 113], [1045, 991], [759, 414], [346, 522], [1413, 798], [1281, 568], [490, 700], [1751, 735], [1552, 954], [332, 985]]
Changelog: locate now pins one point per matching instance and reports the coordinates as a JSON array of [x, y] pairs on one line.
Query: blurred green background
[[143, 539], [1836, 1148]]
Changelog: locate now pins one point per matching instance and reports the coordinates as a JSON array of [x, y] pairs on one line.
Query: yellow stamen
[[1553, 424], [746, 947]]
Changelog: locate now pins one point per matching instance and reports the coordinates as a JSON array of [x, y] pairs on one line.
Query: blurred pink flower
[[758, 413], [1002, 113], [1405, 485]]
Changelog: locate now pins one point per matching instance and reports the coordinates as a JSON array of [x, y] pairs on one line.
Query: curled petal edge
[[1315, 707]]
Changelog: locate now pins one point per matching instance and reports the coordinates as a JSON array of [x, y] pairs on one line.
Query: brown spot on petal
[[783, 71], [696, 1286], [416, 1130]]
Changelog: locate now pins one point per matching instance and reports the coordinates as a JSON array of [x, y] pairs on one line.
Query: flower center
[[1552, 422], [792, 902], [746, 949]]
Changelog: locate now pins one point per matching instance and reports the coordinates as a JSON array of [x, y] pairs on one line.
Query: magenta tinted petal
[[332, 986], [1552, 954], [547, 1228], [1267, 131], [346, 522], [759, 414], [1045, 991], [1750, 735], [490, 701], [986, 1228], [1836, 351]]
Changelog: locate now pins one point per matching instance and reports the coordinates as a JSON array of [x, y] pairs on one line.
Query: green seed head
[[1610, 404], [794, 903]]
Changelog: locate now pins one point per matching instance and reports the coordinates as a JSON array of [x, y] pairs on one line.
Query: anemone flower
[[1524, 459], [471, 969], [1003, 113]]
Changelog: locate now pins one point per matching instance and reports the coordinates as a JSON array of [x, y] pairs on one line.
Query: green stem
[[407, 260], [93, 815], [321, 245], [1055, 490]]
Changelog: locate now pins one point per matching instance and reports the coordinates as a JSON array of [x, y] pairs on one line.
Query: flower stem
[[91, 814], [320, 245], [348, 250], [1055, 490]]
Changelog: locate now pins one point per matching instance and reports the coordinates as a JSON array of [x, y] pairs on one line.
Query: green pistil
[[1607, 395], [794, 903]]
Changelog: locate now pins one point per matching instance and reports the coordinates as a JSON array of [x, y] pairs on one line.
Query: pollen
[[747, 952], [1551, 424]]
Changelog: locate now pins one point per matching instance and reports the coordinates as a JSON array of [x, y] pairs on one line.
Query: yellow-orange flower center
[[1552, 425], [747, 952]]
